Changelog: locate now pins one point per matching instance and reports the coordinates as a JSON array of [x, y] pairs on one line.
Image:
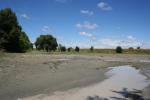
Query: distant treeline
[[113, 51]]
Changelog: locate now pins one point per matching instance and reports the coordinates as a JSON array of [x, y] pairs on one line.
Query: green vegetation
[[77, 49], [92, 49], [119, 49], [63, 49], [46, 42], [131, 48], [69, 49], [138, 48], [12, 38]]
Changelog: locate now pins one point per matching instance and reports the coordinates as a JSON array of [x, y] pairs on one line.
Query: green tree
[[69, 49], [12, 38], [46, 42], [131, 48], [92, 49], [77, 49], [138, 47], [119, 49], [63, 49]]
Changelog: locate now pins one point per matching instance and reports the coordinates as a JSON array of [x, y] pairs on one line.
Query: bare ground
[[23, 75]]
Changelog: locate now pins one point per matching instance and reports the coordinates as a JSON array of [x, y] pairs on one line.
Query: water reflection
[[131, 95]]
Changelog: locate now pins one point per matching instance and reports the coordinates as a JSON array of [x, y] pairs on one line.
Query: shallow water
[[118, 78], [148, 61]]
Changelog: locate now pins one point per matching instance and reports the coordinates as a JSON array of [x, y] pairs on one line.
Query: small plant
[[119, 49]]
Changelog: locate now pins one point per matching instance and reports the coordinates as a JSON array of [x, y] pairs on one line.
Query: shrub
[[138, 47], [119, 49], [63, 49], [69, 49], [77, 49], [92, 49]]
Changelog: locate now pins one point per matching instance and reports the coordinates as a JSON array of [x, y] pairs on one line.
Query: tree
[[119, 49], [46, 42], [92, 49], [12, 38], [63, 49], [138, 47], [69, 49], [77, 49], [131, 48]]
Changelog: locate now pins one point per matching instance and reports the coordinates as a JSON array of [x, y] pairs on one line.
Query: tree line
[[14, 39]]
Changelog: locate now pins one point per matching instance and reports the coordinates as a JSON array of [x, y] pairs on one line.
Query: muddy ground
[[23, 75]]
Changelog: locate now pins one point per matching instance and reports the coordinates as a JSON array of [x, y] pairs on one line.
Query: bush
[[77, 49], [119, 49], [92, 49], [138, 47], [63, 49], [131, 48], [69, 49]]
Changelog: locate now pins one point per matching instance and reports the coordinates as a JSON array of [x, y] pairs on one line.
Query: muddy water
[[118, 78]]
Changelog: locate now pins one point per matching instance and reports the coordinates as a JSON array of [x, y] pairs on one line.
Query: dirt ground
[[23, 75]]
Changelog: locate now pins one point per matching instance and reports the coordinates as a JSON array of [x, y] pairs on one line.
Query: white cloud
[[46, 29], [130, 41], [91, 36], [87, 25], [87, 12], [25, 16], [131, 38], [104, 6]]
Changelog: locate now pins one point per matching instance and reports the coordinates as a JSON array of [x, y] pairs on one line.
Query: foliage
[[77, 49], [119, 49], [69, 49], [131, 48], [138, 47], [46, 42], [63, 49], [12, 38], [92, 49]]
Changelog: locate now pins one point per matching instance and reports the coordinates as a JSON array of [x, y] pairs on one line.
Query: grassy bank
[[113, 51], [106, 51]]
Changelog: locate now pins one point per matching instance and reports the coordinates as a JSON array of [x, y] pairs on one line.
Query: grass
[[2, 54], [95, 52], [113, 51]]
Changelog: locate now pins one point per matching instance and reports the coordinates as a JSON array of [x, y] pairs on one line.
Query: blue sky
[[85, 23]]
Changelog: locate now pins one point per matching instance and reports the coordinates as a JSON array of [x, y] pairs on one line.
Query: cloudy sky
[[85, 23]]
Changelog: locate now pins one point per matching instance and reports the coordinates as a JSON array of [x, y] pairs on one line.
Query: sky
[[85, 23]]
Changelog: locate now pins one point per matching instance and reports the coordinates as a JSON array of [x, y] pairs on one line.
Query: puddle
[[118, 78], [148, 61]]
